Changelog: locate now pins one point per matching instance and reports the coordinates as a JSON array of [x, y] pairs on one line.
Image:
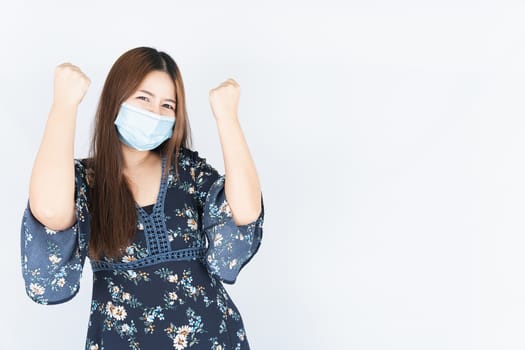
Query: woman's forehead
[[158, 84]]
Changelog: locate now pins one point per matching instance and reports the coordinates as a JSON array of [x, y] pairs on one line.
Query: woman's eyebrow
[[149, 93]]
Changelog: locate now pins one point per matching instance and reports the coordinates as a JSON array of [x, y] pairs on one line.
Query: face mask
[[141, 129]]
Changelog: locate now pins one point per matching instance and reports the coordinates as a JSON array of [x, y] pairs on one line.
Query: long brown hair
[[111, 205]]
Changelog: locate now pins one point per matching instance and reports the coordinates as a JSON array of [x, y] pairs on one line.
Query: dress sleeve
[[52, 261], [230, 246]]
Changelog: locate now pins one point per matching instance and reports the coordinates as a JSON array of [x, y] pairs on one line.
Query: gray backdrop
[[388, 137]]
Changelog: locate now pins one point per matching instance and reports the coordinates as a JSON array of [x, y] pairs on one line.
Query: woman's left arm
[[242, 186]]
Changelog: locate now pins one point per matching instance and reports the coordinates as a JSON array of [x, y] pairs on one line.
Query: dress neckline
[[160, 196]]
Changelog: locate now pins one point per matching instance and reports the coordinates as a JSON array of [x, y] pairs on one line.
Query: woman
[[159, 250]]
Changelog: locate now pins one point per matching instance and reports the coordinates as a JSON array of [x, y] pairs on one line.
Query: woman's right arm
[[52, 184]]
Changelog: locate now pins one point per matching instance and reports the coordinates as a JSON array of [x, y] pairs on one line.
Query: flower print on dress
[[157, 299], [185, 336], [149, 315], [52, 261]]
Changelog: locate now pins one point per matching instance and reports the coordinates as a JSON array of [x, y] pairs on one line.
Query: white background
[[388, 137]]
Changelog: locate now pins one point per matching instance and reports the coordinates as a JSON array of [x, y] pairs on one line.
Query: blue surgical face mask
[[141, 129]]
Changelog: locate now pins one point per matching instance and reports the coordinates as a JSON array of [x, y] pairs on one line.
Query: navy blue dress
[[166, 291]]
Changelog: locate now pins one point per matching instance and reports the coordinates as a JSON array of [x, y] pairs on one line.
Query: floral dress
[[166, 291]]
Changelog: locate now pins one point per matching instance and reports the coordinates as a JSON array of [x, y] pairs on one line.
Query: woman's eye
[[166, 105]]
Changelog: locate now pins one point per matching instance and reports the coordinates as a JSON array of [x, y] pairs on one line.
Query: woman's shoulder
[[188, 155], [83, 170], [83, 162], [186, 150], [81, 165]]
